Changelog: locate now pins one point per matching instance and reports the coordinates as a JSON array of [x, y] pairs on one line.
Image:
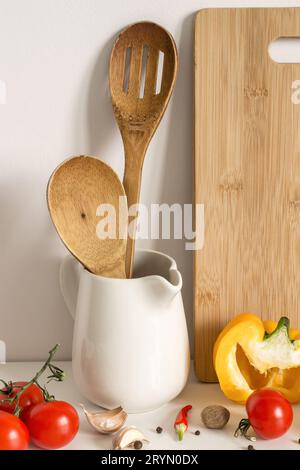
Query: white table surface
[[197, 394]]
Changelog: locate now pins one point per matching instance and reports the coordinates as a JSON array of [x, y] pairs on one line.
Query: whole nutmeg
[[215, 416]]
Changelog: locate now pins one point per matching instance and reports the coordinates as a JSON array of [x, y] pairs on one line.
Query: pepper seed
[[159, 430], [138, 445], [197, 433], [250, 447]]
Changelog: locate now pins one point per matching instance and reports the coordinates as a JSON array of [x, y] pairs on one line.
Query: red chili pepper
[[181, 423]]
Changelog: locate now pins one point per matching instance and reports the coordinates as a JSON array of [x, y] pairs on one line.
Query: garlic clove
[[127, 436], [108, 421]]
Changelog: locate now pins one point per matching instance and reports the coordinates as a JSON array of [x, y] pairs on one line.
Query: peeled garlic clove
[[126, 437], [108, 421]]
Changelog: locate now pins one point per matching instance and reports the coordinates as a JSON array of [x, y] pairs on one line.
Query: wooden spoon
[[75, 191], [139, 105]]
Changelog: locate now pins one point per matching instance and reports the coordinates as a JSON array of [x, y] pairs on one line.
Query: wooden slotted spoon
[[75, 191], [137, 101]]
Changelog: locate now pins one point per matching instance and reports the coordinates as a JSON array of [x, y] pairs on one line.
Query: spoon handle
[[132, 185]]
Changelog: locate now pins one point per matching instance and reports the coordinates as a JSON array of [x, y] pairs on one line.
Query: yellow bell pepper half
[[251, 354]]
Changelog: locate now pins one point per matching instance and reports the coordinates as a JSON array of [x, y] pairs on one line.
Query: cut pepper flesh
[[251, 354]]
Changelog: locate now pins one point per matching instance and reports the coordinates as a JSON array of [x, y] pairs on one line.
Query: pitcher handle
[[69, 276]]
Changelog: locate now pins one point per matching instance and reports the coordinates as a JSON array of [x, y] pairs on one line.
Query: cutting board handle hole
[[285, 50]]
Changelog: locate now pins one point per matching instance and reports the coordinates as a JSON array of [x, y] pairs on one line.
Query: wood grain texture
[[139, 116], [75, 190], [247, 173]]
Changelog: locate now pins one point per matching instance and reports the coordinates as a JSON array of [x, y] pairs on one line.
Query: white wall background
[[54, 60]]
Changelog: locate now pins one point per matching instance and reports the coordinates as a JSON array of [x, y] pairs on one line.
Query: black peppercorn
[[250, 447], [138, 445], [197, 432], [159, 430]]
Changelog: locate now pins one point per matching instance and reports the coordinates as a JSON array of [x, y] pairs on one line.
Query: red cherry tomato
[[269, 412], [30, 396], [14, 434], [51, 424]]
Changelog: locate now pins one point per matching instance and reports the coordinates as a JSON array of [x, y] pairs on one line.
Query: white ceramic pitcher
[[130, 344]]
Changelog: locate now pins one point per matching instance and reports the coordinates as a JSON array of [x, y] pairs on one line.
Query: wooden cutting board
[[247, 172]]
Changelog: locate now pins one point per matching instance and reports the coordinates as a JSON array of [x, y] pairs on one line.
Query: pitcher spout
[[169, 287], [175, 281]]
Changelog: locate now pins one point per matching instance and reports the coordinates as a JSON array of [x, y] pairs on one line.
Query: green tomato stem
[[56, 374]]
